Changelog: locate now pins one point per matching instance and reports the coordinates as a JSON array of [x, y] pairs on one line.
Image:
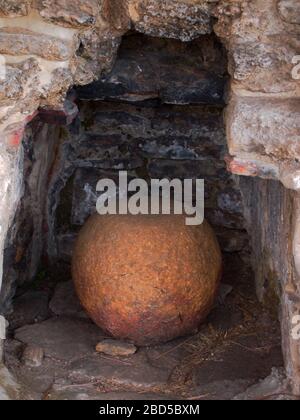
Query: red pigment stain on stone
[[15, 138], [240, 168]]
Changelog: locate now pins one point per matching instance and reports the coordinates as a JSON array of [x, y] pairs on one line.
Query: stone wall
[[272, 213], [49, 46], [170, 125]]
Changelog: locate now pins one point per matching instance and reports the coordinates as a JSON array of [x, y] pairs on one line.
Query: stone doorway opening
[[158, 113]]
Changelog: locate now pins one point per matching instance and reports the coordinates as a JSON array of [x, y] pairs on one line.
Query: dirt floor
[[51, 350]]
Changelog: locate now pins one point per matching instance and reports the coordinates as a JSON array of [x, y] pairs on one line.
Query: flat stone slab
[[29, 308], [116, 348], [243, 358], [274, 385], [91, 394], [62, 338], [134, 372], [220, 390], [65, 300]]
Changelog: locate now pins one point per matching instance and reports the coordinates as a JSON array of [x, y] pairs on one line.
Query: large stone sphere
[[146, 279]]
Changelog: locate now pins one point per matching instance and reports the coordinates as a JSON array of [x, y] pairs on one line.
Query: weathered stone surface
[[107, 152], [36, 380], [225, 318], [233, 240], [75, 52], [84, 196], [183, 19], [270, 210], [25, 42], [264, 126], [172, 140], [261, 47], [65, 301], [203, 360], [116, 13], [261, 38], [266, 67], [268, 388], [95, 56], [224, 291], [13, 8], [269, 255], [220, 390], [65, 245], [62, 338], [29, 308], [24, 242], [9, 388], [17, 75], [135, 372], [116, 348], [33, 356], [86, 394], [10, 193], [240, 360], [161, 132], [157, 142], [230, 201], [290, 10], [71, 13], [179, 74], [182, 169]]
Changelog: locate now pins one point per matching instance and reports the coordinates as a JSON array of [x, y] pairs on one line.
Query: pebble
[[33, 356], [116, 348]]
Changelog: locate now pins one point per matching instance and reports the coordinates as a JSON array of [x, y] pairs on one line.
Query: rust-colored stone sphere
[[147, 279]]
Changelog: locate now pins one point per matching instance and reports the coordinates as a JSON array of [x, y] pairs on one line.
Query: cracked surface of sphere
[[146, 279]]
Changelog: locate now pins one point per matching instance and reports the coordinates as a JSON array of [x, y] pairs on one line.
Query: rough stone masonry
[[50, 45]]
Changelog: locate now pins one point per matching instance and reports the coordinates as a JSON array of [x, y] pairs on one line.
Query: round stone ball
[[146, 279]]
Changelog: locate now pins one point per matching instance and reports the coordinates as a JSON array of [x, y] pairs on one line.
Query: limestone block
[[74, 13], [264, 126], [13, 8], [14, 41], [17, 75], [98, 51], [290, 10], [182, 19], [266, 67], [261, 45]]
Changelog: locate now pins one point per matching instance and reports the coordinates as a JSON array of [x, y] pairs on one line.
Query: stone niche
[[159, 89]]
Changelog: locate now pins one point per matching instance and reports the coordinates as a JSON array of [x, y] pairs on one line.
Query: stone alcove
[[262, 114]]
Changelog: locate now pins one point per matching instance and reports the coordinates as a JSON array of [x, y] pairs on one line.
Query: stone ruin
[[158, 87]]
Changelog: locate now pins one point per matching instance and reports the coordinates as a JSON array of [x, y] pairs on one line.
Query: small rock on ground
[[116, 348], [33, 356], [62, 338]]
